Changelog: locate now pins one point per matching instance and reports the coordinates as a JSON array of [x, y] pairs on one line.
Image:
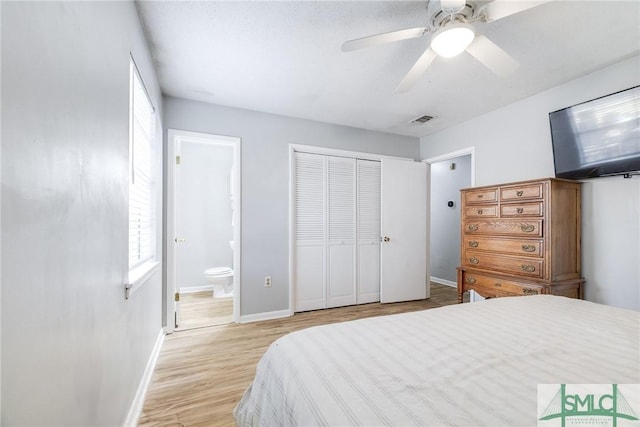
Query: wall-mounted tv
[[599, 137]]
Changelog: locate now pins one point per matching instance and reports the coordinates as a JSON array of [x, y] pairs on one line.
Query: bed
[[464, 365]]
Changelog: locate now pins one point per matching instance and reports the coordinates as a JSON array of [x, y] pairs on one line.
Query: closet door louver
[[337, 231], [341, 224], [310, 231], [368, 231]]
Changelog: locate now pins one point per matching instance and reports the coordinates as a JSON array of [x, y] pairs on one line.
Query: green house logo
[[582, 407]]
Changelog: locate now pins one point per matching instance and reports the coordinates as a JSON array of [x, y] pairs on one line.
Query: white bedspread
[[464, 365]]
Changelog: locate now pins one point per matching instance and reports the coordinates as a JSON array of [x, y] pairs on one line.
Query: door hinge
[[177, 160], [176, 297]]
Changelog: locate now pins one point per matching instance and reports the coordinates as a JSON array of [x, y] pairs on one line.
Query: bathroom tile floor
[[200, 309]]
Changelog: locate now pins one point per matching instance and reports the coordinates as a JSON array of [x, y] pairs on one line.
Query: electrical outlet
[[267, 281]]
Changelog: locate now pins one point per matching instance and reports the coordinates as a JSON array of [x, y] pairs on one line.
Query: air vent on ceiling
[[420, 120]]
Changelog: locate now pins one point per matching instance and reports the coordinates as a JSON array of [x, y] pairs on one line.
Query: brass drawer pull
[[529, 291], [479, 211], [480, 196], [470, 280], [527, 228], [473, 244], [473, 227], [528, 248], [497, 285], [528, 268], [474, 260], [519, 193], [519, 210]]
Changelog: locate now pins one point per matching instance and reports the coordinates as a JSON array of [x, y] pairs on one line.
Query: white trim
[[444, 282], [173, 137], [138, 400], [194, 289], [342, 153], [140, 275], [270, 315], [454, 154]]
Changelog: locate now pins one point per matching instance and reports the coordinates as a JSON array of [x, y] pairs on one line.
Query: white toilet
[[222, 280]]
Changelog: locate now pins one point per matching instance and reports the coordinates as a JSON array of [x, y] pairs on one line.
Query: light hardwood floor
[[200, 309], [201, 374]]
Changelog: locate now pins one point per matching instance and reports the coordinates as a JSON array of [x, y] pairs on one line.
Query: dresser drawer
[[522, 209], [507, 246], [481, 196], [490, 211], [490, 287], [529, 267], [522, 192], [504, 227]]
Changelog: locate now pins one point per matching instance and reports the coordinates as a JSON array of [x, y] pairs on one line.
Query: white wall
[[445, 221], [204, 211], [265, 182], [514, 143], [73, 349]]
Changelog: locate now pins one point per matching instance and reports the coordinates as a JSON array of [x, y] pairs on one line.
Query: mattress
[[463, 365]]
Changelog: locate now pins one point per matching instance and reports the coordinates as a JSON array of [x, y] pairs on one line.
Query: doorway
[[449, 174], [203, 230]]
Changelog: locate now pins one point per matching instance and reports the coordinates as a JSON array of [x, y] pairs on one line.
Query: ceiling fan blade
[[492, 57], [498, 9], [393, 36], [417, 70]]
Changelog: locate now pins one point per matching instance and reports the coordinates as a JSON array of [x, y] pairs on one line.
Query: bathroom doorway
[[203, 236]]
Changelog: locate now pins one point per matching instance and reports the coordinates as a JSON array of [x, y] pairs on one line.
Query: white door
[[368, 223], [341, 227], [403, 251], [310, 232]]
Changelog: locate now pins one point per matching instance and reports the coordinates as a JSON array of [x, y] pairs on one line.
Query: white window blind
[[141, 209]]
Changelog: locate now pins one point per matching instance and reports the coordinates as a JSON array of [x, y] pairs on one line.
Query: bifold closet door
[[368, 223], [341, 225], [310, 231], [325, 231]]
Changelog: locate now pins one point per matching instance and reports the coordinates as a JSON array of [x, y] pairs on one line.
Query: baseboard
[[138, 400], [257, 317], [193, 289], [444, 282]]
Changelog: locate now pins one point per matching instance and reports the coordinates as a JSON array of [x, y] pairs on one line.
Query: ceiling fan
[[452, 33]]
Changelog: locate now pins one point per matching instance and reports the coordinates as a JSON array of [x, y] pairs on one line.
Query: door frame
[[448, 156], [175, 137], [312, 149], [453, 155]]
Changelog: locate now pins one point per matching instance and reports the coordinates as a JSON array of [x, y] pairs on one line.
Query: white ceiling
[[285, 58]]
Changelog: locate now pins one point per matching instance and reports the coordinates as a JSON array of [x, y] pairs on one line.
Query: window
[[142, 245]]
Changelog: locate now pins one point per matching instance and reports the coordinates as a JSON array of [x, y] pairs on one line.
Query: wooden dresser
[[521, 238]]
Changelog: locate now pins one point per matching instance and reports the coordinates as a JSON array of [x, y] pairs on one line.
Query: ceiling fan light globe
[[452, 40]]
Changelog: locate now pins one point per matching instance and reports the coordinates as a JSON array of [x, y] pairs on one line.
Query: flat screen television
[[596, 138]]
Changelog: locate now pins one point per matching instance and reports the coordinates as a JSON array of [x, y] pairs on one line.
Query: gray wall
[[204, 211], [73, 349], [445, 221], [265, 182], [514, 143]]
